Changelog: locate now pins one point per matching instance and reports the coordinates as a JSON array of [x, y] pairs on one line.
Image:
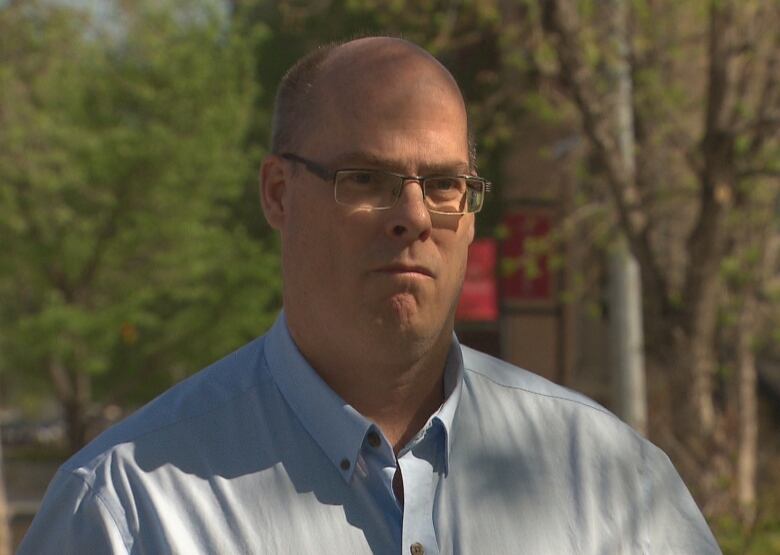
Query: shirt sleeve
[[72, 519], [674, 524]]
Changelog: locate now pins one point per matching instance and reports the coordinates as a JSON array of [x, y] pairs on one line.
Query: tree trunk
[[703, 327], [75, 424], [706, 242], [747, 409], [5, 529], [73, 392], [749, 325]]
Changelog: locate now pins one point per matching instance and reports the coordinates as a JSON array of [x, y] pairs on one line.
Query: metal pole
[[625, 289]]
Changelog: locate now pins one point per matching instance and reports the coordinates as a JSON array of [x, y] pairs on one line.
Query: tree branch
[[106, 233], [48, 268], [766, 122], [63, 384], [757, 172], [705, 242], [560, 21]]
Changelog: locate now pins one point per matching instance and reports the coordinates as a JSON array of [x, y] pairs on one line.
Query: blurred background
[[630, 249]]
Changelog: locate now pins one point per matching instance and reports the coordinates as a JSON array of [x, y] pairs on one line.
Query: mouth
[[411, 270]]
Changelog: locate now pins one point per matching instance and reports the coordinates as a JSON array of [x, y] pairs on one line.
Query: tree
[[5, 529], [705, 103], [122, 157]]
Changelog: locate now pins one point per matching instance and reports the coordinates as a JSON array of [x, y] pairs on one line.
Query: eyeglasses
[[380, 190]]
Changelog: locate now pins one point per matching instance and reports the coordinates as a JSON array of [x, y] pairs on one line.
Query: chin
[[405, 320], [404, 330], [404, 310]]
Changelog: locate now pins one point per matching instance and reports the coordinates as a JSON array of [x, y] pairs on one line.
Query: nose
[[409, 219]]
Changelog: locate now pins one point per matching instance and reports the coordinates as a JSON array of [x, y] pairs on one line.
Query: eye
[[364, 178], [444, 184]]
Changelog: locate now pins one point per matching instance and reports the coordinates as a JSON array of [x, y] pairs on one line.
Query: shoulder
[[558, 417], [76, 519], [504, 376], [496, 392], [203, 396], [569, 455], [113, 487]]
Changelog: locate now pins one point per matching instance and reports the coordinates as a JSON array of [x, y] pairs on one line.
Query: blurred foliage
[[122, 160], [762, 539]]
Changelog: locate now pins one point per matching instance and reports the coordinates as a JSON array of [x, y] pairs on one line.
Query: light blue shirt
[[256, 454]]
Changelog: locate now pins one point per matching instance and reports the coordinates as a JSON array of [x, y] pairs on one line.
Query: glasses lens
[[366, 188], [378, 189], [455, 195], [445, 193], [475, 195]]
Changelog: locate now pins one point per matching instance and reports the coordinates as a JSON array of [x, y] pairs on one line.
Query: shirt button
[[417, 549], [344, 464], [373, 439]]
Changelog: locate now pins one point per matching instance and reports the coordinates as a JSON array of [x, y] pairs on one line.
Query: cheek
[[304, 248], [471, 229], [322, 253], [455, 268], [461, 265], [459, 248]]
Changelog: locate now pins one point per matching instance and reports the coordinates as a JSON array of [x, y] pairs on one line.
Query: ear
[[273, 188]]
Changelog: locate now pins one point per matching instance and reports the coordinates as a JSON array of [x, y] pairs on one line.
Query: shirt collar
[[337, 427], [453, 384]]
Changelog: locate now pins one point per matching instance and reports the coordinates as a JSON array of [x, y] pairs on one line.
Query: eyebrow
[[372, 160]]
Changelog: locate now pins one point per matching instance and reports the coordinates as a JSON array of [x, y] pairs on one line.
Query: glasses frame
[[326, 175]]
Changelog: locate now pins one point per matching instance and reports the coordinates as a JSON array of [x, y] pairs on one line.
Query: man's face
[[378, 278]]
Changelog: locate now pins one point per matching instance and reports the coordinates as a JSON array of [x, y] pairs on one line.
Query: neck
[[400, 404], [398, 394]]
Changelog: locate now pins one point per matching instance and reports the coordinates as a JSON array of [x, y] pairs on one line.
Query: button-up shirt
[[256, 454]]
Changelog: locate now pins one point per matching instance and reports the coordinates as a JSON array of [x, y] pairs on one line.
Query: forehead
[[366, 159], [389, 105]]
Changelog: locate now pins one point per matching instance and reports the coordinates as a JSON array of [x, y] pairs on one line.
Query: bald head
[[383, 65], [367, 74]]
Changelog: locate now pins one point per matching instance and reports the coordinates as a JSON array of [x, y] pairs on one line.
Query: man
[[358, 424]]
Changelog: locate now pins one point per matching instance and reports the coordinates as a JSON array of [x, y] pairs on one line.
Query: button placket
[[418, 532]]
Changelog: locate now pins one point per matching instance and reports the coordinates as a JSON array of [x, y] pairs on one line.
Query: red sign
[[478, 300], [525, 271]]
